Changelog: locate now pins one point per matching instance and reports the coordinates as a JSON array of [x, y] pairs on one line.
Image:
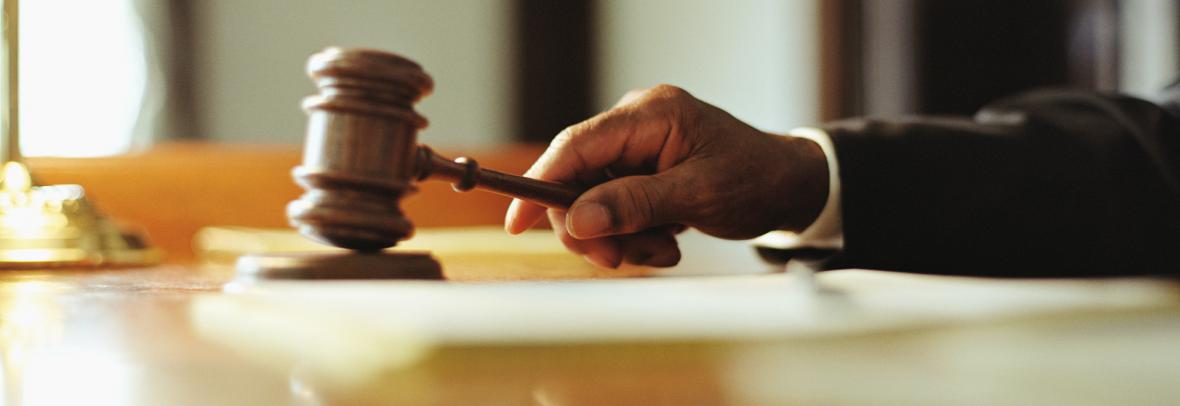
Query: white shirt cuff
[[827, 230]]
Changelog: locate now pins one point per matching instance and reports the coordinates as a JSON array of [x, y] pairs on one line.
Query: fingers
[[625, 135], [631, 96], [654, 247], [631, 204], [581, 153], [574, 151], [522, 216], [603, 252], [618, 221]]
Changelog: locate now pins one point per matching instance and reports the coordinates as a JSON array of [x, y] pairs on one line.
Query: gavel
[[362, 157]]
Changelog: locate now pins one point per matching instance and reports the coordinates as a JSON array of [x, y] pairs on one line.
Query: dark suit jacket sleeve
[[1049, 183]]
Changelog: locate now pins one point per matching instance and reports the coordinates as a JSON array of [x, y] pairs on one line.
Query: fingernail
[[602, 262], [510, 217], [510, 225], [587, 220]]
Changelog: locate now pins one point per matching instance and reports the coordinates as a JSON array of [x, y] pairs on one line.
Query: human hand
[[661, 160]]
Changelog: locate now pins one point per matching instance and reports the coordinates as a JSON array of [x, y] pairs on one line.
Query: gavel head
[[359, 156]]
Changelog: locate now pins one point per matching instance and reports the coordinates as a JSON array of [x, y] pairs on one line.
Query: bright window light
[[82, 77]]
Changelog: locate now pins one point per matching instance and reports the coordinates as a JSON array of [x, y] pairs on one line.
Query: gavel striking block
[[362, 157]]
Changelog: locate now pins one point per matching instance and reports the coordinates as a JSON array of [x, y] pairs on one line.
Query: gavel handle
[[465, 174]]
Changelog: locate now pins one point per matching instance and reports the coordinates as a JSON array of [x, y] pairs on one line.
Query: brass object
[[50, 226], [10, 83]]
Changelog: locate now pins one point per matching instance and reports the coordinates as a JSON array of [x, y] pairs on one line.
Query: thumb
[[627, 205]]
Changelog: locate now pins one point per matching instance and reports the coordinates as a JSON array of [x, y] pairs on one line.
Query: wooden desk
[[166, 336], [128, 337]]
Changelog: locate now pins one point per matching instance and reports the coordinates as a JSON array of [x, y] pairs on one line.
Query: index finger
[[628, 134]]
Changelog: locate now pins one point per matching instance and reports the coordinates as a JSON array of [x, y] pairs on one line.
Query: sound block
[[338, 266]]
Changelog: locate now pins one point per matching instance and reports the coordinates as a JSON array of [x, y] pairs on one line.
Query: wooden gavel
[[361, 155]]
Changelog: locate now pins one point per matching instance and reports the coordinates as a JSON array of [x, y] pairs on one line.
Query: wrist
[[804, 185]]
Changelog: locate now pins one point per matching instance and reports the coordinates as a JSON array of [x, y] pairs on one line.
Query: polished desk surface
[[140, 337]]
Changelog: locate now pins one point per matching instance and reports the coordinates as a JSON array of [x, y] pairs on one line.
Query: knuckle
[[586, 128], [563, 137], [640, 206], [669, 91], [673, 100], [556, 147], [565, 140], [635, 93]]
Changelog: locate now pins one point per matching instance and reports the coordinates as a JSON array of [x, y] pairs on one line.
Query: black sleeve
[[1050, 183]]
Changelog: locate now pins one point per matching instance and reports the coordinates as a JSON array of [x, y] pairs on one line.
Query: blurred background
[[132, 73], [181, 115]]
